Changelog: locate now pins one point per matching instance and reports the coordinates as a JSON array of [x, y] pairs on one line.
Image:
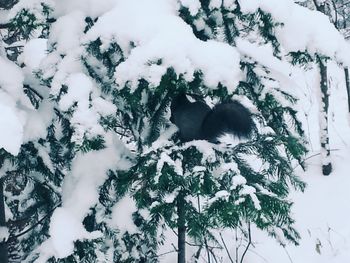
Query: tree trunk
[[325, 149], [347, 83], [3, 245], [181, 226]]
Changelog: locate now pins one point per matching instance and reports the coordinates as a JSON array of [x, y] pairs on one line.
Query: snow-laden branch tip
[[318, 34]]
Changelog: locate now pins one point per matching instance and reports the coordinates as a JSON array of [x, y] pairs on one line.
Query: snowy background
[[322, 211]]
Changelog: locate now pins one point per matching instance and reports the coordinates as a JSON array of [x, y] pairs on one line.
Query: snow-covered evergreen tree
[[96, 171]]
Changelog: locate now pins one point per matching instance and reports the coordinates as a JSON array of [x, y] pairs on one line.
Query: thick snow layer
[[80, 190], [12, 118], [318, 35], [80, 193], [264, 55], [122, 215], [79, 88], [85, 119], [19, 121], [64, 230], [33, 52], [37, 122], [11, 79], [171, 42], [11, 129], [91, 8], [67, 30]]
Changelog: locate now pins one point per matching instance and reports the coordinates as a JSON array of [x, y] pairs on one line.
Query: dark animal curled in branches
[[197, 121]]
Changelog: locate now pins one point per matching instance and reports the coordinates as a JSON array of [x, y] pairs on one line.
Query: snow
[[223, 194], [264, 55], [91, 8], [322, 211], [33, 52], [318, 34], [192, 5], [172, 42], [65, 39], [67, 31], [11, 79], [229, 4], [80, 193], [103, 107], [215, 4], [237, 181], [321, 215], [204, 147], [11, 130], [4, 234], [163, 139], [122, 215], [229, 167], [34, 7], [37, 122], [79, 88], [12, 118], [166, 159], [64, 230], [249, 190], [84, 120], [89, 171]]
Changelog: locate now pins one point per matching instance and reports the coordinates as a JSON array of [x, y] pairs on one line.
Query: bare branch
[[4, 26], [249, 243], [228, 253]]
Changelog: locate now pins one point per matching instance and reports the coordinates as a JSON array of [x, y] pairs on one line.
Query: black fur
[[188, 117], [197, 121]]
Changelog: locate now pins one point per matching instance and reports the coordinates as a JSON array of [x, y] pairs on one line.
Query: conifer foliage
[[97, 144]]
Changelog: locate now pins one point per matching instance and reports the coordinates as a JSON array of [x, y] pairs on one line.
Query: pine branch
[[12, 238]]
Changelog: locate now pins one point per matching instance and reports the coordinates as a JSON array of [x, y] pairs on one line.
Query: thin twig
[[290, 259], [335, 15], [228, 253], [34, 91], [314, 155], [256, 253], [165, 253], [237, 247], [213, 255], [249, 243], [208, 252], [175, 248], [198, 253], [195, 245]]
